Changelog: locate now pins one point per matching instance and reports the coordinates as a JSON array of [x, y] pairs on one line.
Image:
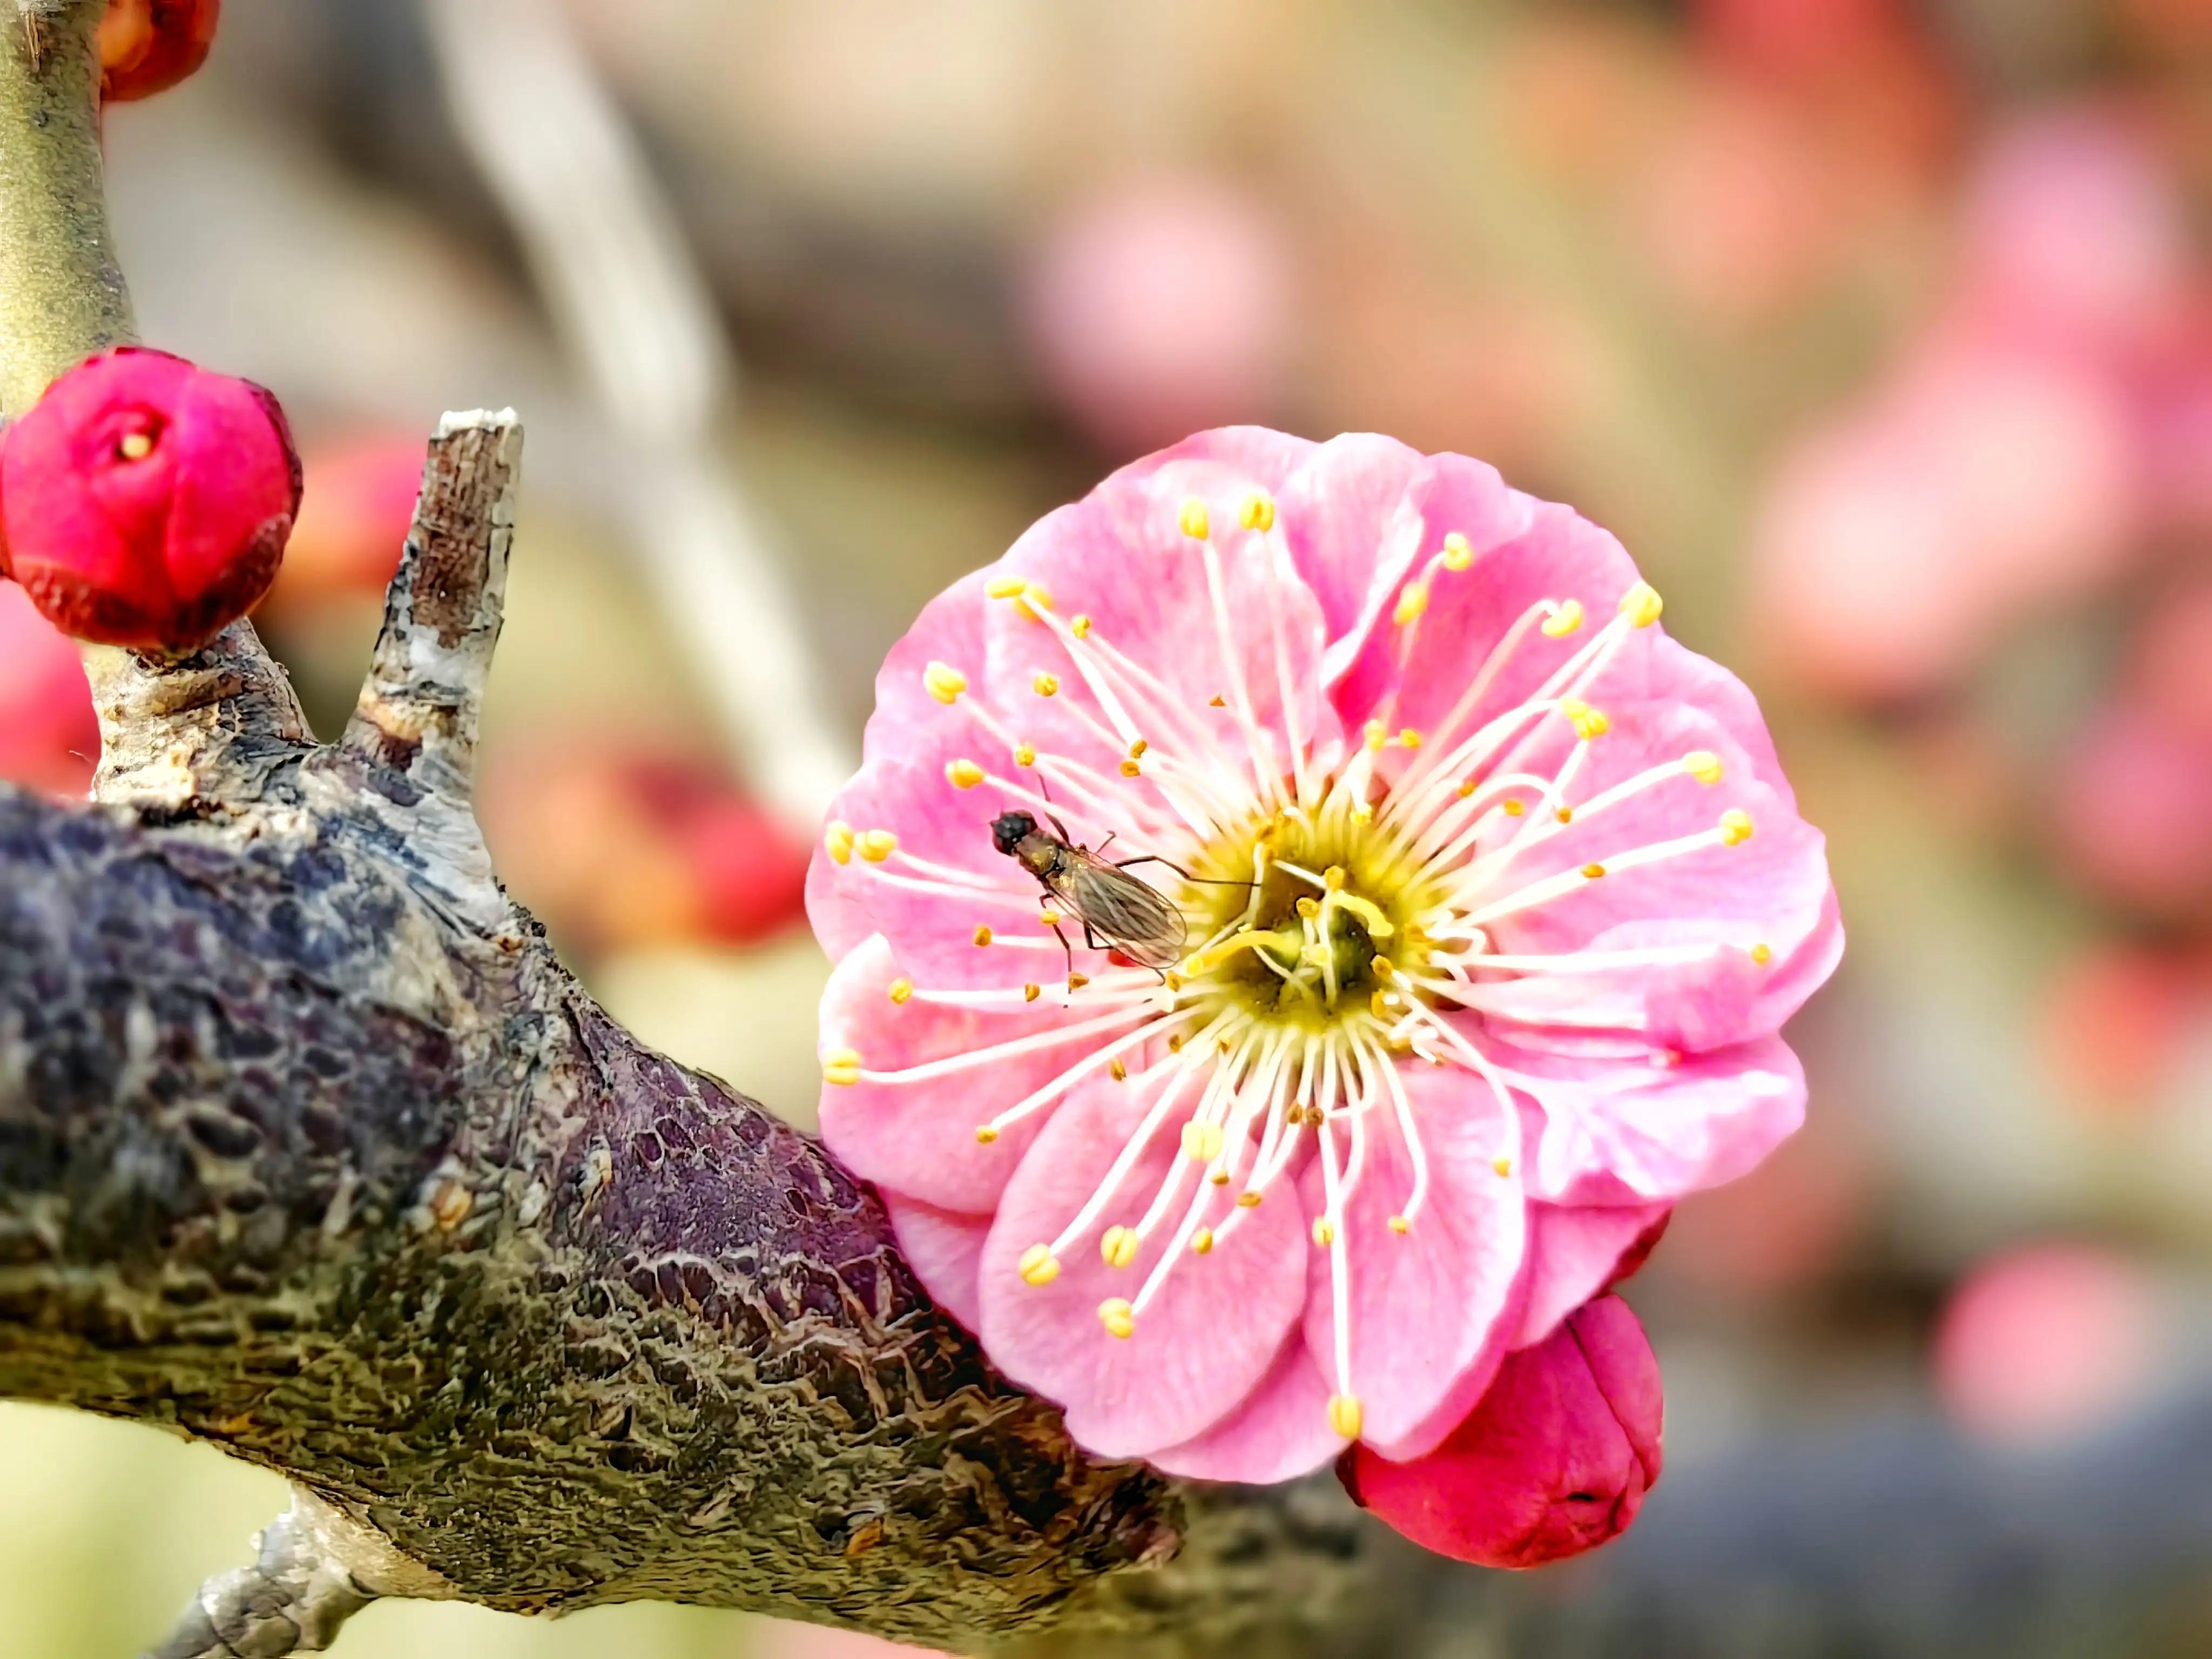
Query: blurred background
[[1880, 330]]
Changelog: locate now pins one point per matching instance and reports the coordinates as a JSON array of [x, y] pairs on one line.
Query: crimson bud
[[145, 502], [1554, 1460], [147, 47]]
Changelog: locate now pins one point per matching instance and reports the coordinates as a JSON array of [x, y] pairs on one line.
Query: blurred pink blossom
[[2131, 813], [2045, 1342], [2114, 1018], [788, 1639], [49, 739], [2075, 234], [1160, 304]]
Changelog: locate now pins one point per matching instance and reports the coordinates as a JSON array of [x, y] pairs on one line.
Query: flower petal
[[1611, 1128], [1574, 1252], [1432, 1308], [1205, 1343], [945, 1248], [1281, 1433], [919, 1138]]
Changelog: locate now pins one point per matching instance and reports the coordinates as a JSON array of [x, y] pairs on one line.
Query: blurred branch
[[626, 291]]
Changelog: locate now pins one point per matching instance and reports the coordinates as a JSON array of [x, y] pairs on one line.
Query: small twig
[[419, 707], [315, 1570]]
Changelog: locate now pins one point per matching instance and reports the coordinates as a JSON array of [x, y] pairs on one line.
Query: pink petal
[[1657, 1132], [1525, 550], [945, 1250], [1432, 1308], [919, 1138], [1575, 1251], [1281, 1432], [1204, 1344]]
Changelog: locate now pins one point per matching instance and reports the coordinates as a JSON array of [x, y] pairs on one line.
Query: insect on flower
[[1118, 912]]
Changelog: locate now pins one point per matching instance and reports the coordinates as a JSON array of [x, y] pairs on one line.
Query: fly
[[1117, 911]]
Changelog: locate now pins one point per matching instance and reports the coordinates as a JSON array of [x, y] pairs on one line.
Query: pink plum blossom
[[1493, 899], [1554, 1461]]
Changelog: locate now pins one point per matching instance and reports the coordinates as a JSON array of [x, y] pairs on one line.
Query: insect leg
[[1154, 858], [1070, 949]]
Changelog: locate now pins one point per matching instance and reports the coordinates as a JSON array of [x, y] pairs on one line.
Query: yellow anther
[[1703, 765], [1587, 722], [1219, 1177], [837, 840], [944, 681], [1409, 738], [1642, 605], [1566, 618], [1201, 1242], [1118, 1248], [1457, 554], [1248, 1201], [1045, 685], [1119, 1318], [1364, 813], [1466, 787], [1378, 1003], [1309, 906], [1324, 1231], [136, 446], [1216, 701], [1513, 809], [1762, 954], [841, 1066], [1258, 512], [1076, 982], [901, 990], [963, 774], [1080, 628], [1025, 754], [1592, 871], [1172, 979], [1118, 1072], [1735, 826], [877, 845], [1333, 878], [1382, 965], [1039, 1265], [1131, 769], [1345, 1415], [982, 935], [1412, 600], [1370, 914], [1036, 597], [1137, 749], [1503, 1165], [1192, 519], [1005, 587], [1564, 814], [1031, 992], [1048, 918], [985, 1135], [1201, 1142], [1400, 1224], [1378, 734]]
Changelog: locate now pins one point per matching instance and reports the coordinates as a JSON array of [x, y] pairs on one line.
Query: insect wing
[[1119, 907]]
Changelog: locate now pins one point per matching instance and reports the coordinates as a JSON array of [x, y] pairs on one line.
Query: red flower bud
[[1555, 1460], [147, 47], [145, 502]]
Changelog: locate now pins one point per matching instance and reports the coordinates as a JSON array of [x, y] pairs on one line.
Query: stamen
[[1045, 685], [1566, 617], [1193, 520], [901, 990], [1117, 1247], [1457, 555], [837, 840], [1412, 600], [1115, 1314], [963, 774], [877, 845], [1703, 765], [1258, 512], [944, 682], [841, 1066], [1642, 605], [1038, 1266]]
